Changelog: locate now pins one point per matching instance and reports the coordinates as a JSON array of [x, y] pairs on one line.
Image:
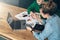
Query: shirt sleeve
[[45, 33], [31, 7]]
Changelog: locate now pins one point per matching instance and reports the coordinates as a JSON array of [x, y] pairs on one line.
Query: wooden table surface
[[5, 29]]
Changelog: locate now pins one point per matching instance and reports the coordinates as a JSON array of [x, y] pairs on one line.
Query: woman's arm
[[37, 17], [31, 7], [45, 33]]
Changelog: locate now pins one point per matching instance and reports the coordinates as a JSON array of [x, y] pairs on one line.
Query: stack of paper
[[25, 16]]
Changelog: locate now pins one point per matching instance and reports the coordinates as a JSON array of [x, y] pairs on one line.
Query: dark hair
[[49, 7]]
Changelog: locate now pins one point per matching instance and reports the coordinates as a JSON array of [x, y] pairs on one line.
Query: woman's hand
[[36, 16], [33, 15], [28, 28]]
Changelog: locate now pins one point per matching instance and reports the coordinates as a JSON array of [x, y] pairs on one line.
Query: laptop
[[16, 25]]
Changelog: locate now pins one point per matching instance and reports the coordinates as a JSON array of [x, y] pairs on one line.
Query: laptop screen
[[16, 24]]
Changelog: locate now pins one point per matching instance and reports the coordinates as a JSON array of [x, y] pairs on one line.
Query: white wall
[[13, 2]]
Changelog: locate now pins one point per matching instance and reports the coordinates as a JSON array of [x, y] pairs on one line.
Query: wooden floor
[[5, 29]]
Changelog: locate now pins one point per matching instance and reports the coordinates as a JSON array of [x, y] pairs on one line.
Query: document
[[25, 16]]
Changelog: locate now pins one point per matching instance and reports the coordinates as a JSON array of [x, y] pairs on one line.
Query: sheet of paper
[[28, 18]]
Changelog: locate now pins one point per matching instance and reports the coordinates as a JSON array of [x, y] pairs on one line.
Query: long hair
[[49, 7]]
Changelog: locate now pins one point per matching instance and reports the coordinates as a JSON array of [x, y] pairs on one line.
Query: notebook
[[38, 27]]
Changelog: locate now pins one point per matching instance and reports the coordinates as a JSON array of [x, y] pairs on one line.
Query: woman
[[52, 26], [35, 5]]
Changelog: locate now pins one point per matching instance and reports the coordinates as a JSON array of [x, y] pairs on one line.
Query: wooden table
[[5, 29]]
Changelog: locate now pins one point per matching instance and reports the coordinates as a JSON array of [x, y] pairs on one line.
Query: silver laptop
[[16, 25]]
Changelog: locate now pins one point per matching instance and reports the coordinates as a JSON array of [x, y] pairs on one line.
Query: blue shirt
[[52, 29]]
